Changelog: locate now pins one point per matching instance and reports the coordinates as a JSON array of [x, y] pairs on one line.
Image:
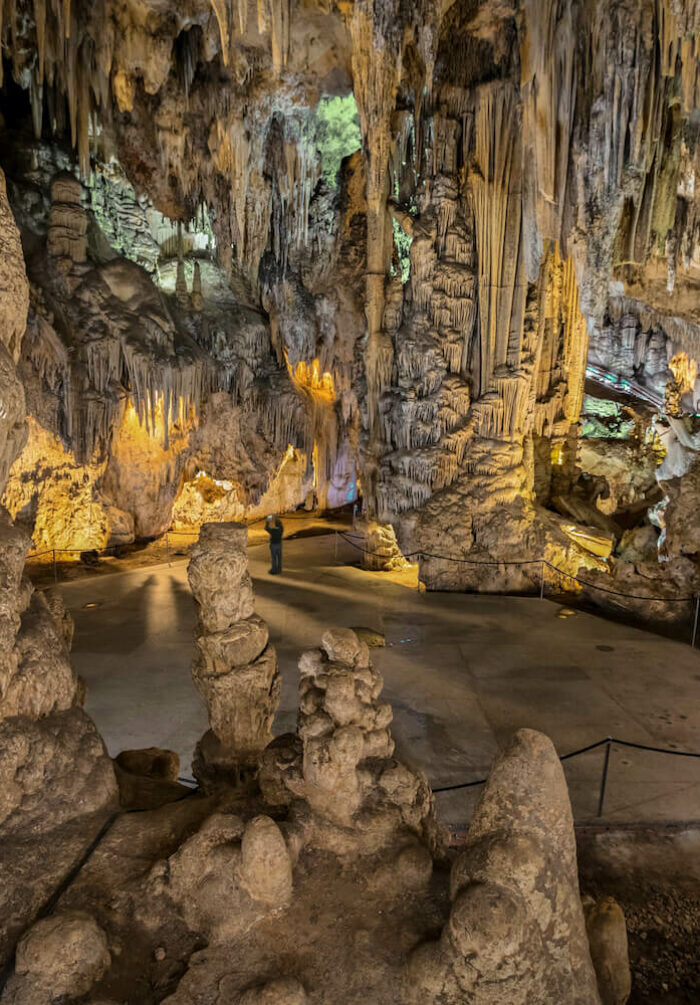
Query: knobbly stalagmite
[[235, 668], [360, 797]]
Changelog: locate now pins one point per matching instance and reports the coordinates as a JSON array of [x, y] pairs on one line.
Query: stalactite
[[497, 211], [221, 12], [548, 87]]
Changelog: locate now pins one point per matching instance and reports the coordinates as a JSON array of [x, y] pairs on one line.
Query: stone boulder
[[227, 876], [60, 957], [57, 790], [607, 937], [152, 762], [516, 931]]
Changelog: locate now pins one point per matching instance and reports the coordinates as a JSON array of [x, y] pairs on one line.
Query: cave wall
[[393, 237]]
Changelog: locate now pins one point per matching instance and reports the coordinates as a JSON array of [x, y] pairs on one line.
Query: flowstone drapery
[[235, 668]]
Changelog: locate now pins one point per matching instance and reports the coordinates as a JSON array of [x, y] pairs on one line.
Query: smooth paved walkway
[[462, 672]]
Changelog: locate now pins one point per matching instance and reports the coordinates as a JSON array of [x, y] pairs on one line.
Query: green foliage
[[403, 249], [604, 419], [337, 133]]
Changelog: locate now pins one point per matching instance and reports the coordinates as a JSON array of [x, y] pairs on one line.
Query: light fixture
[[92, 603]]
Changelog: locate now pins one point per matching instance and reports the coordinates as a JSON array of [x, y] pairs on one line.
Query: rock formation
[[235, 669], [380, 549], [60, 956], [607, 938], [228, 876], [402, 269], [516, 931], [444, 255], [67, 234], [360, 798], [57, 784]]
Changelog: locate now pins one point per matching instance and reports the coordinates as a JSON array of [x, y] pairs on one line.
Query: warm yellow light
[[684, 370], [149, 422], [309, 377], [314, 462]]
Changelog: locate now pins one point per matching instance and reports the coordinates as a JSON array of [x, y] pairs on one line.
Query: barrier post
[[542, 580], [604, 779], [695, 621], [167, 547], [55, 570]]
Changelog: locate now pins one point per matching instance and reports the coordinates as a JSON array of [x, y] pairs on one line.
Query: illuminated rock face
[[395, 263]]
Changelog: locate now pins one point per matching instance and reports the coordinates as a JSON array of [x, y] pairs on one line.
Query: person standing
[[275, 528]]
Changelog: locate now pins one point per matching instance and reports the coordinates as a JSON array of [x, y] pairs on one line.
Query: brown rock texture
[[516, 931], [235, 669], [228, 876], [60, 956], [360, 798], [607, 938]]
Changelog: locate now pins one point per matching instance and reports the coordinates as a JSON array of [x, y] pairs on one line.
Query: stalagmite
[[181, 291], [197, 298], [235, 668], [354, 797], [516, 931]]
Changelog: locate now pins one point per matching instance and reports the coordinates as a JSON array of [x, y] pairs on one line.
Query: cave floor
[[461, 671]]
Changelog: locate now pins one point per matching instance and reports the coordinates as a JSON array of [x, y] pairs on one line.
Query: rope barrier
[[530, 561], [616, 593], [543, 562], [172, 533], [607, 742]]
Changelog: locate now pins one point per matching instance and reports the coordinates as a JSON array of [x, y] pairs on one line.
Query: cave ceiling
[[393, 241]]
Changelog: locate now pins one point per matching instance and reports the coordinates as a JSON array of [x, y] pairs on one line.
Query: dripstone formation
[[417, 254], [57, 784], [438, 259], [235, 667], [516, 931], [354, 796]]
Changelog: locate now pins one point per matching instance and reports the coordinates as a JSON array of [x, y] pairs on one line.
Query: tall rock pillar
[[235, 668]]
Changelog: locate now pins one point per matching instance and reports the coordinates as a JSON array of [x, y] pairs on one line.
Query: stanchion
[[604, 779], [55, 570], [542, 581], [167, 547], [695, 621]]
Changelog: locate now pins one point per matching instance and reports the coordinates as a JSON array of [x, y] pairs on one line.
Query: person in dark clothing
[[274, 527]]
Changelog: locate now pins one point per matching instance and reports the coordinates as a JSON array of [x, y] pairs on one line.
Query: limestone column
[[67, 236], [235, 668]]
